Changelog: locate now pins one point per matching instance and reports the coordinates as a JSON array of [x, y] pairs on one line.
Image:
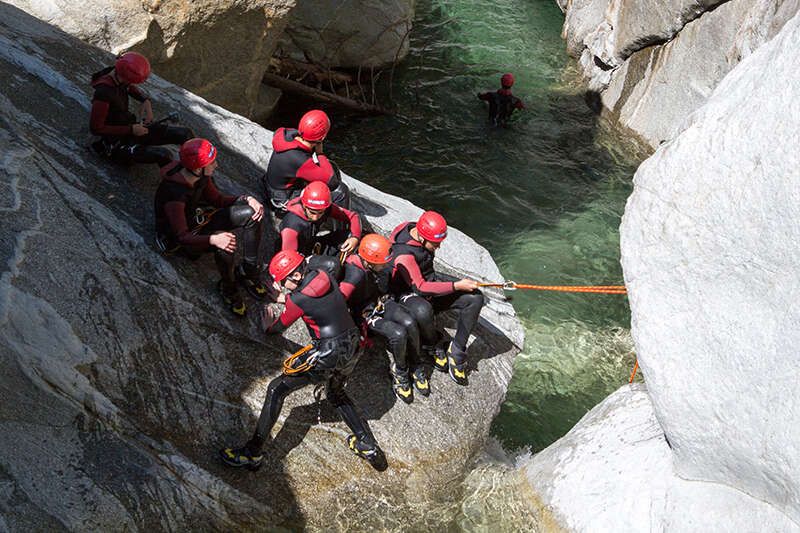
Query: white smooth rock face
[[122, 374], [710, 255], [613, 472], [654, 63]]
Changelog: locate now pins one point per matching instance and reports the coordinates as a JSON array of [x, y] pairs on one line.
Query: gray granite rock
[[349, 33], [653, 64], [218, 49], [121, 374]]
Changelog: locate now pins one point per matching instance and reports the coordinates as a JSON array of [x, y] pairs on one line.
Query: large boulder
[[653, 65], [614, 472], [349, 33], [218, 49], [121, 374], [709, 249]]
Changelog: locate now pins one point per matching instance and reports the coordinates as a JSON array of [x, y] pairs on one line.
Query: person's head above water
[[507, 80]]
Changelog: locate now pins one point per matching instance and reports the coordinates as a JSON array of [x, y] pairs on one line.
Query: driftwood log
[[285, 84]]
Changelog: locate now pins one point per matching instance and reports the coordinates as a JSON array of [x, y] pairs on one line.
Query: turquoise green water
[[544, 195]]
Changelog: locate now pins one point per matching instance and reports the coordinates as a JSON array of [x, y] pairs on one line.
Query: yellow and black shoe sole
[[458, 374], [237, 460]]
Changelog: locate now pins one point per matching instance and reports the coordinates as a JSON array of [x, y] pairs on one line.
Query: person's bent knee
[[475, 298], [396, 334], [241, 215]]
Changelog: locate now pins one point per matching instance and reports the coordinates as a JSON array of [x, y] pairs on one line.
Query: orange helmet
[[375, 249]]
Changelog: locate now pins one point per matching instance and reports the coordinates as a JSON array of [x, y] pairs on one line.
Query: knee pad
[[242, 215]]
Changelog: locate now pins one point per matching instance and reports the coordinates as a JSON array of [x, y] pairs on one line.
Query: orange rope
[[599, 289], [288, 363], [635, 368]]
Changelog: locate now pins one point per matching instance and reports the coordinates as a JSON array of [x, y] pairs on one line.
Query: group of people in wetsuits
[[344, 285]]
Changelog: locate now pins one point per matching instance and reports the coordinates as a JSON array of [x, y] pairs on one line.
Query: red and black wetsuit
[[187, 214], [318, 301], [502, 104], [414, 284], [363, 288], [297, 232], [112, 120], [294, 165]]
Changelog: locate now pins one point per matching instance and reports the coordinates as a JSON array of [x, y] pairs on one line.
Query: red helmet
[[132, 68], [284, 263], [432, 226], [314, 125], [197, 153], [507, 80], [375, 249], [316, 196]]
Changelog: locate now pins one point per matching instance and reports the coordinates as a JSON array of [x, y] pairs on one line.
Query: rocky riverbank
[[121, 375]]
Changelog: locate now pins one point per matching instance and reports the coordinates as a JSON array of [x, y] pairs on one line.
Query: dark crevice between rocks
[[688, 16]]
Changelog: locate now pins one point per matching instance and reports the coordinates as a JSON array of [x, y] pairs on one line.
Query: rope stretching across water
[[597, 289]]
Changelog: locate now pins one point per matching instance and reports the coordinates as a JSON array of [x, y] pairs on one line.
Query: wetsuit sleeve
[[345, 215], [408, 268], [352, 277], [518, 104], [484, 96], [216, 198], [175, 212], [290, 314], [137, 94], [97, 121], [289, 239]]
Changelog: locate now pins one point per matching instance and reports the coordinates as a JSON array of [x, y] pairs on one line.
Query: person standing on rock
[[297, 160], [415, 285], [193, 217], [501, 102], [124, 137], [300, 228], [365, 286], [315, 297]]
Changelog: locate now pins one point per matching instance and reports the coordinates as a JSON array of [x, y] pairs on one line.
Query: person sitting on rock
[[193, 217], [365, 286], [301, 228], [501, 102], [297, 160], [315, 297], [124, 137], [414, 283]]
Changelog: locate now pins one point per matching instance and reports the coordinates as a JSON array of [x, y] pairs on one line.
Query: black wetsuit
[[298, 232], [112, 121], [414, 284], [187, 215], [363, 290], [501, 105], [294, 165], [322, 307]]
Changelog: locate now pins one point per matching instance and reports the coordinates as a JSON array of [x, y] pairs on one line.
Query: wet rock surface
[[121, 373]]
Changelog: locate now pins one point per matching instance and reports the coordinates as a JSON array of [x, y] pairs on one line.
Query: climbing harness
[[599, 289], [292, 367]]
